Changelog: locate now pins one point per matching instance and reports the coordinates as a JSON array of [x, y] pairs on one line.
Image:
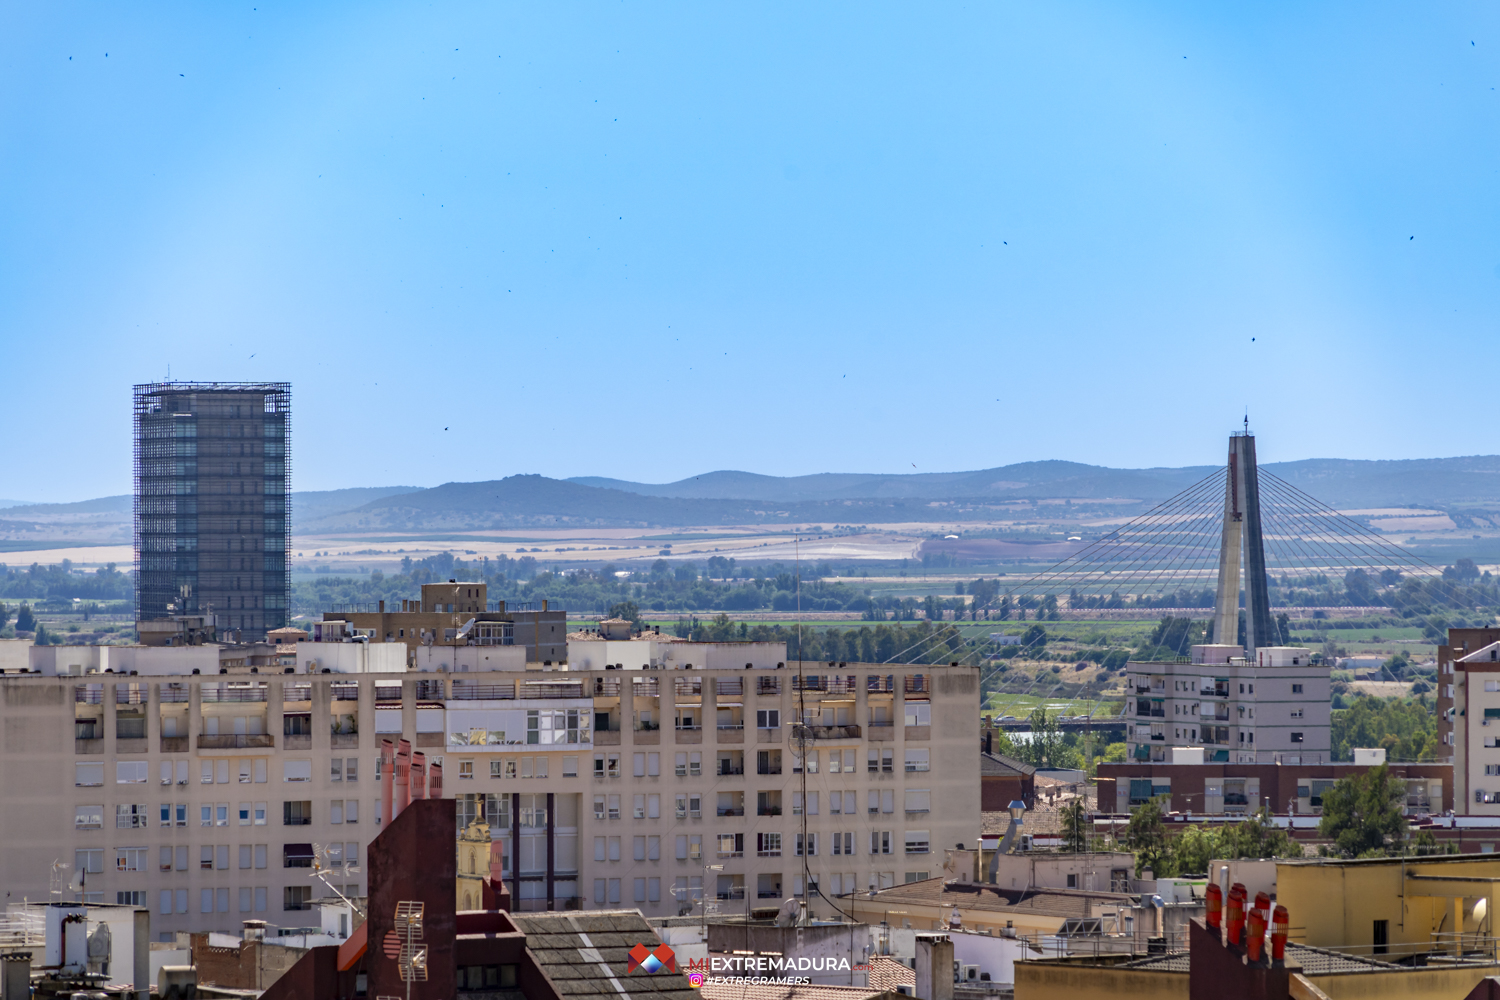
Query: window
[[131, 898], [130, 772], [1296, 689], [296, 897], [639, 761], [614, 848], [880, 842], [129, 817], [89, 861], [916, 842], [918, 713], [296, 770], [88, 818], [843, 843], [207, 773], [598, 807], [296, 813], [916, 760], [768, 845], [640, 807], [260, 814], [351, 769], [653, 806], [351, 811], [336, 812], [466, 770], [614, 807], [569, 767], [639, 845], [88, 775], [653, 765], [918, 800], [1296, 737], [731, 845], [130, 859], [811, 846], [1296, 713], [245, 811], [768, 718]]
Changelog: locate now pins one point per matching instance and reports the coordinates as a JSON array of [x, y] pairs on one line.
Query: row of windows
[[212, 857], [249, 770], [134, 816]]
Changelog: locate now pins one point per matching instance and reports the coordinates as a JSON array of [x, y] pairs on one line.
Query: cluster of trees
[[1363, 817], [62, 582], [664, 586], [1405, 727], [924, 642]]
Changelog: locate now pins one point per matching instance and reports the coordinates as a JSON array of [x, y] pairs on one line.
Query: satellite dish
[[75, 884]]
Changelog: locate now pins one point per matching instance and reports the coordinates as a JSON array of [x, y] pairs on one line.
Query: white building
[[1275, 708]]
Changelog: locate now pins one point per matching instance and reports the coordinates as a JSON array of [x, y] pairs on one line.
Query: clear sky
[[650, 240]]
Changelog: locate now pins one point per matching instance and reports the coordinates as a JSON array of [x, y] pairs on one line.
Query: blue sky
[[649, 240]]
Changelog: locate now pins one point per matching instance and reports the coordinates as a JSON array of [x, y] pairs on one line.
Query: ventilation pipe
[[387, 778], [418, 780], [434, 780], [403, 777]]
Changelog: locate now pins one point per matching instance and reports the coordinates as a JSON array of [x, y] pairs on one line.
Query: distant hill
[[102, 505], [1438, 482], [313, 505]]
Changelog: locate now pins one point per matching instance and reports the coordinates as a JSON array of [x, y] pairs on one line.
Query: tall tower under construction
[[213, 502]]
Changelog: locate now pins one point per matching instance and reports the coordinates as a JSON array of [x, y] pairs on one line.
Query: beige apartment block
[[203, 796]]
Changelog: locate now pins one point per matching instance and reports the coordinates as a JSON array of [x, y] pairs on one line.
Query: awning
[[298, 851]]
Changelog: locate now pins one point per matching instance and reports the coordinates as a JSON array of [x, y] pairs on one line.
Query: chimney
[[417, 783], [544, 604], [434, 780], [255, 930], [15, 976], [382, 607], [989, 741], [403, 777], [387, 778], [934, 967]]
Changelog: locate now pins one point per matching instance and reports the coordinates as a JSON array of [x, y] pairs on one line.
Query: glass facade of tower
[[213, 502]]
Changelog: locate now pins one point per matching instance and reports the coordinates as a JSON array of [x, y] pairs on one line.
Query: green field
[[1021, 706]]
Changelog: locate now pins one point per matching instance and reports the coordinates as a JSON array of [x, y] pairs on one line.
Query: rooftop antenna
[[412, 956]]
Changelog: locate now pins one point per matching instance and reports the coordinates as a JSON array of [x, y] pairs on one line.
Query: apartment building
[[1239, 789], [212, 504], [1460, 643], [1274, 707], [454, 614], [1469, 673], [204, 791]]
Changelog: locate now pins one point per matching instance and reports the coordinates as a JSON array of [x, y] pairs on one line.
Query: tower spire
[[1243, 544]]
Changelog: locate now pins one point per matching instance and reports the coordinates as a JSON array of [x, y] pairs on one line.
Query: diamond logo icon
[[649, 961]]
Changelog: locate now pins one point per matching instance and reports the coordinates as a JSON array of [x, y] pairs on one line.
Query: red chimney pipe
[[1236, 914], [1278, 934], [434, 780], [403, 777], [1213, 900], [1257, 936], [418, 781], [387, 779]]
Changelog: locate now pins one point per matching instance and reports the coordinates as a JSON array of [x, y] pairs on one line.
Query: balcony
[[731, 734], [917, 732], [731, 811], [430, 740], [302, 741], [174, 744], [91, 745], [483, 692], [837, 732], [136, 744], [880, 731], [606, 737], [238, 741], [689, 734], [343, 741], [729, 770]]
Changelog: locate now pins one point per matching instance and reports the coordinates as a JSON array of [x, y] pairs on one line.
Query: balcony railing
[[731, 811], [835, 732], [88, 695], [215, 693], [551, 689], [483, 692], [125, 694], [296, 692], [174, 694], [235, 741], [730, 686]]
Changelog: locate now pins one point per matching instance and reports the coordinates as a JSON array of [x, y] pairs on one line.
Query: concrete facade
[[200, 795], [1272, 708], [455, 615]]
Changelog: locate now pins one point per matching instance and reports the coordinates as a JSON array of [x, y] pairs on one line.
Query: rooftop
[[770, 991], [984, 896], [587, 954], [999, 765], [1314, 962]]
